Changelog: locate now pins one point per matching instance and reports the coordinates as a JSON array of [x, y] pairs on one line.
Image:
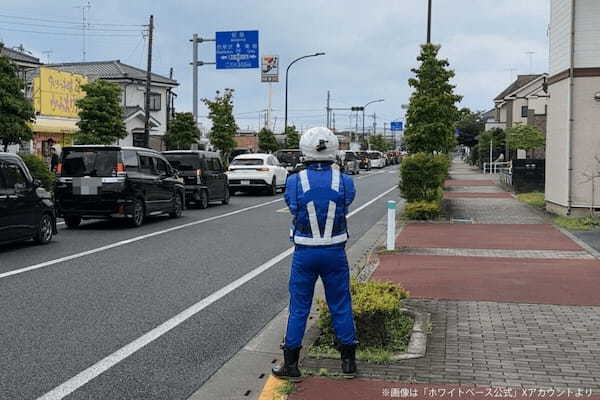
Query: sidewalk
[[514, 303]]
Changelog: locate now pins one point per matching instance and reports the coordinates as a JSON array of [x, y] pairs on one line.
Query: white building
[[573, 128]]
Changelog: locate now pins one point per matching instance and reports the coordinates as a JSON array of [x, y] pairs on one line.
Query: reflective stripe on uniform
[[307, 241], [304, 180], [335, 179]]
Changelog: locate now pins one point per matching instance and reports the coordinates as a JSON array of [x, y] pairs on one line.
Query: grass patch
[[577, 224], [534, 199], [286, 389]]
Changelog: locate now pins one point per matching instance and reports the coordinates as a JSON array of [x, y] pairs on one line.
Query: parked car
[[26, 208], [364, 160], [256, 171], [203, 176], [116, 182], [349, 162], [290, 159], [377, 159]]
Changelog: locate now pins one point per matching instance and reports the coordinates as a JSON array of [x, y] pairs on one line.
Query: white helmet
[[319, 144]]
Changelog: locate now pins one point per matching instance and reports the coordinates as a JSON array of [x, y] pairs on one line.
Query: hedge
[[422, 176], [423, 210]]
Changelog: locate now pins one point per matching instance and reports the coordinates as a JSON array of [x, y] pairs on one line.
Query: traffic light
[[357, 108]]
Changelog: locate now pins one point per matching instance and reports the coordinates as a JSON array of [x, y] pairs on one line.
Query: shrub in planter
[[39, 170], [422, 175], [422, 210], [377, 316]]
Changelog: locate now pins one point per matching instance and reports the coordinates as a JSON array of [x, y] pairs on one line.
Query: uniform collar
[[317, 166]]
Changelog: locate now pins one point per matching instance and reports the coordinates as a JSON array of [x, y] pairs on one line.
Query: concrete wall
[[557, 164], [560, 25], [587, 33]]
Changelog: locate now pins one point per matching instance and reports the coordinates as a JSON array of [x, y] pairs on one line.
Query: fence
[[497, 167]]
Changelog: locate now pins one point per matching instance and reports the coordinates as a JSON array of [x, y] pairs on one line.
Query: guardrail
[[497, 166]]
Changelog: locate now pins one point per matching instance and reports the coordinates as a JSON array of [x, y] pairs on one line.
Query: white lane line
[[283, 210], [131, 240], [110, 361], [371, 174]]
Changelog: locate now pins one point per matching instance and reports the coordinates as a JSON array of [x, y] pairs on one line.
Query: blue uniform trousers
[[329, 263]]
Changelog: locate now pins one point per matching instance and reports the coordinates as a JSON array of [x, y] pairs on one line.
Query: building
[[247, 140], [523, 102], [573, 142], [20, 57], [133, 82]]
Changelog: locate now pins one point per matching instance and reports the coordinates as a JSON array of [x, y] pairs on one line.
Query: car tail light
[[120, 169], [263, 169], [59, 169]]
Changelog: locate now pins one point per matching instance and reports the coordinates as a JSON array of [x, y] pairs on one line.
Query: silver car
[[349, 162]]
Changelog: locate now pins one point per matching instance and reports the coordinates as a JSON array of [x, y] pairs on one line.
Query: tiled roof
[[18, 56], [521, 81], [114, 69]]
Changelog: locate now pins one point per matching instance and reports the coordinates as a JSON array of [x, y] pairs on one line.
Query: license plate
[[86, 186], [245, 182]]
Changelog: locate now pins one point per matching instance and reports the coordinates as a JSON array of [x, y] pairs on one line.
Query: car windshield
[[248, 161], [288, 157], [89, 162], [362, 154], [374, 156], [184, 162], [350, 156]]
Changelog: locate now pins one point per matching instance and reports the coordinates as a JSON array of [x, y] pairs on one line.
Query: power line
[[67, 33], [65, 22], [68, 27]]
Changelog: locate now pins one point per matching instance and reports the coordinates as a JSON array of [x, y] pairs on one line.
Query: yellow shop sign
[[55, 92]]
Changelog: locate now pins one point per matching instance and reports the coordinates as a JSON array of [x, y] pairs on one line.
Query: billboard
[[55, 92], [269, 69]]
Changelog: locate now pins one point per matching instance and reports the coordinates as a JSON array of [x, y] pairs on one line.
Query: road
[[111, 312]]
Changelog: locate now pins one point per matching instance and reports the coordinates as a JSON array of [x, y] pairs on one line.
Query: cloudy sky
[[370, 45]]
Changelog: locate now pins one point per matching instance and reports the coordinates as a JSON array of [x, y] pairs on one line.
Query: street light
[[363, 116], [286, 86]]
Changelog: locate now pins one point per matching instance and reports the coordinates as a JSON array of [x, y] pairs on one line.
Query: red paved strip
[[485, 236], [567, 282], [476, 195], [319, 388], [470, 182]]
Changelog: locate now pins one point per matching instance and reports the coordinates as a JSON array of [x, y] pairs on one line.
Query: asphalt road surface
[[111, 312]]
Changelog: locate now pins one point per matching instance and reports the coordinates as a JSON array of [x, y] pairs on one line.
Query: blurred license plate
[[245, 182], [86, 186]]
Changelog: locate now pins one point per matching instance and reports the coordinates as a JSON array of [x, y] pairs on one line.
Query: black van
[[26, 208], [203, 175], [116, 182]]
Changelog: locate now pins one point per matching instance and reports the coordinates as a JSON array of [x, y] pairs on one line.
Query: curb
[[271, 389]]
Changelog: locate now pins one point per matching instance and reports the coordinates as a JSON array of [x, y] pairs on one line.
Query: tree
[[292, 137], [182, 132], [379, 143], [224, 128], [15, 111], [469, 126], [498, 138], [266, 141], [525, 137], [100, 114], [432, 111]]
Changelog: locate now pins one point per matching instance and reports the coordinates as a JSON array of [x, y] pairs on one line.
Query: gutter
[[571, 120]]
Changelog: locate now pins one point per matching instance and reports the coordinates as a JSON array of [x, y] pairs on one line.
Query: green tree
[[498, 138], [432, 111], [266, 141], [39, 170], [100, 114], [292, 137], [469, 126], [182, 132], [224, 128], [15, 111], [525, 137], [379, 143]]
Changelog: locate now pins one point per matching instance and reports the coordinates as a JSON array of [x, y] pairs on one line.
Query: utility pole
[[328, 111], [374, 124], [148, 81], [429, 22], [333, 120], [195, 64], [169, 97], [84, 25], [47, 53]]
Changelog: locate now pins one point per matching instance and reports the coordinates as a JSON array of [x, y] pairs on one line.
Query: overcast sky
[[370, 45]]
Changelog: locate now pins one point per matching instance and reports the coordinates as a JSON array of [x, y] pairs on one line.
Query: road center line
[[108, 362], [131, 240]]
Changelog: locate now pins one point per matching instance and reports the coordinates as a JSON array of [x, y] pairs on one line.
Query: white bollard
[[391, 225]]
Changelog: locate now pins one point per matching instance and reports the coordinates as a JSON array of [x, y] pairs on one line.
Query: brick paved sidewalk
[[513, 301]]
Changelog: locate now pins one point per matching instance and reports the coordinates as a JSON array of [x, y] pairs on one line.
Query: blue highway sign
[[236, 49], [396, 126]]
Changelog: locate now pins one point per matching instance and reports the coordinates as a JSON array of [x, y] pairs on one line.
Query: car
[[364, 160], [250, 172], [238, 151], [290, 159], [26, 208], [99, 181], [377, 159], [203, 176], [349, 162]]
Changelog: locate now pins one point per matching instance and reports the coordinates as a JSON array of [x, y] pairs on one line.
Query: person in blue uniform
[[318, 198]]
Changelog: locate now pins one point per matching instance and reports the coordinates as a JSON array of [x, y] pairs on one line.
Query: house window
[[154, 101], [138, 139], [524, 111]]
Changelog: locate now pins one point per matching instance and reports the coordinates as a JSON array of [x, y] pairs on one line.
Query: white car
[[377, 159], [249, 172]]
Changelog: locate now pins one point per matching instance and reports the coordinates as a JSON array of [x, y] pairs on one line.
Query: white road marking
[[131, 240], [371, 174], [283, 210], [108, 362]]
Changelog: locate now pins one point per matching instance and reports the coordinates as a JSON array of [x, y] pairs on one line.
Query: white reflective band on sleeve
[[312, 217], [335, 179], [306, 241], [304, 180], [329, 222]]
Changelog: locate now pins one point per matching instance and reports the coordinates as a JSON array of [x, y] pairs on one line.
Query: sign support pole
[[269, 110]]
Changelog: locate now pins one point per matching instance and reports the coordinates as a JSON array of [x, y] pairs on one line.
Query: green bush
[[377, 316], [39, 170], [423, 210], [422, 175]]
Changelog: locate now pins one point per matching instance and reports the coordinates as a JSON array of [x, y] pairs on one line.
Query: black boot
[[289, 369], [348, 352]]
